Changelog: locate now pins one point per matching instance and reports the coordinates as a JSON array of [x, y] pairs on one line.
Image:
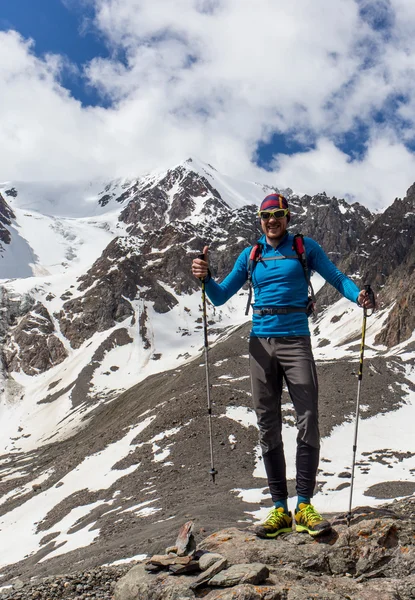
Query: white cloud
[[374, 182], [213, 77]]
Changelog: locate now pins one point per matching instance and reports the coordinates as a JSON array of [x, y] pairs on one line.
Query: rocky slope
[[161, 478], [373, 558]]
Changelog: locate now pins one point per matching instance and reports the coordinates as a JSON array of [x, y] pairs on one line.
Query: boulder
[[254, 573], [208, 559], [139, 584], [207, 575]]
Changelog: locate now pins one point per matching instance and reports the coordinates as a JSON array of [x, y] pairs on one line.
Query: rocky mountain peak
[[6, 216], [178, 195]]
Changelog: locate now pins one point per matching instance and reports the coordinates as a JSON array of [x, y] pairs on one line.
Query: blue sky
[[61, 29], [325, 100]]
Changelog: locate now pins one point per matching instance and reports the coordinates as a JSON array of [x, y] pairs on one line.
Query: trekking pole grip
[[201, 257], [371, 295]]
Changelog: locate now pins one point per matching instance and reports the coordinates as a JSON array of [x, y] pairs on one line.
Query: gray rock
[[18, 584], [207, 575], [191, 567], [250, 592], [254, 573], [138, 584], [33, 346], [208, 559]]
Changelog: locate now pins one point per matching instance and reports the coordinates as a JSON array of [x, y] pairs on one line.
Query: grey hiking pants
[[273, 360]]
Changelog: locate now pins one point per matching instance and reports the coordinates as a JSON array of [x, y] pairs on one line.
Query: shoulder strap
[[254, 257], [298, 246]]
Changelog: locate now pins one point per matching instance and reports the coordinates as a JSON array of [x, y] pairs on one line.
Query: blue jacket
[[280, 283]]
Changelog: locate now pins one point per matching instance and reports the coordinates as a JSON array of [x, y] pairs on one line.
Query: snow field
[[94, 473]]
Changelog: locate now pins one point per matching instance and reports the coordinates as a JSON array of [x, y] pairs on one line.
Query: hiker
[[280, 349]]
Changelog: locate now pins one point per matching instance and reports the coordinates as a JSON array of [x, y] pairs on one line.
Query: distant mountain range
[[100, 343]]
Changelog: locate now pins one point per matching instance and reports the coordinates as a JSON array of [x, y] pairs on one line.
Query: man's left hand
[[365, 300]]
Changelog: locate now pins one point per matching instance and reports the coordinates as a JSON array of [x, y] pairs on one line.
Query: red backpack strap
[[298, 246], [254, 257]]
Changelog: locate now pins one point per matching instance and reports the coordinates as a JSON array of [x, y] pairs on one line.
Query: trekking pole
[[213, 472], [362, 351]]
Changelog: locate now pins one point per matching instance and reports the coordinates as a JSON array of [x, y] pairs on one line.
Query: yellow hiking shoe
[[308, 519], [276, 522]]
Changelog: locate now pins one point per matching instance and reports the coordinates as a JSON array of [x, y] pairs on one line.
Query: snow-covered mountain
[[103, 270], [97, 297]]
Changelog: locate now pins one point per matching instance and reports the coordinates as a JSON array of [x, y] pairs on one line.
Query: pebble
[[94, 584]]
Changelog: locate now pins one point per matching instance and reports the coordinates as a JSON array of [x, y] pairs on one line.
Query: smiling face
[[274, 229]]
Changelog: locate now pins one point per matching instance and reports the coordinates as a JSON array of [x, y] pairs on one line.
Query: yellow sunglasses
[[278, 213]]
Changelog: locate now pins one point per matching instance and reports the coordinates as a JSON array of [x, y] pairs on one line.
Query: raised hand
[[200, 266]]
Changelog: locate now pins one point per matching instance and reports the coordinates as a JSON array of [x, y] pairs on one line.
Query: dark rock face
[[390, 238], [336, 225], [401, 321], [110, 286], [32, 346], [12, 308], [386, 260], [6, 216]]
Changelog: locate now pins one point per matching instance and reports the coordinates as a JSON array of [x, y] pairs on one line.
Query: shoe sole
[[302, 529], [271, 536]]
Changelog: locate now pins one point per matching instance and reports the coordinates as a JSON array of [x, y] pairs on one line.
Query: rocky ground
[[183, 488], [94, 584], [373, 558]]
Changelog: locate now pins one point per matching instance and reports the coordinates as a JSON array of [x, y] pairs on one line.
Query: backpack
[[256, 255]]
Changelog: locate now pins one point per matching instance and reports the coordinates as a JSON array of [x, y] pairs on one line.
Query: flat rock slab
[[254, 573], [152, 568], [244, 547], [207, 575], [191, 567], [208, 559], [164, 560]]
